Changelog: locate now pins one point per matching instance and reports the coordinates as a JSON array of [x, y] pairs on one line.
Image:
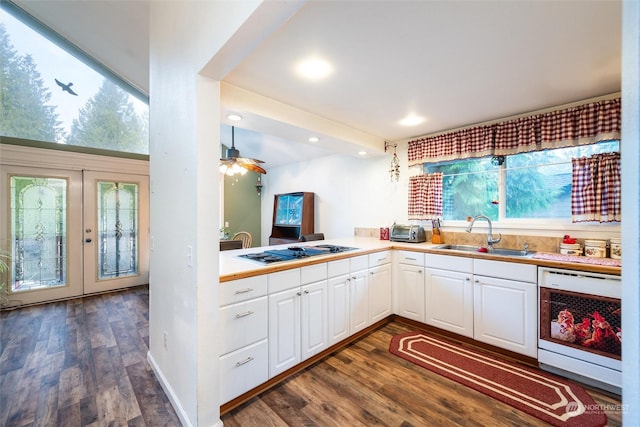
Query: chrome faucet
[[490, 240]]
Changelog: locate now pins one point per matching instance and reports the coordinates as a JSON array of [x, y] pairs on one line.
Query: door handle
[[87, 240]]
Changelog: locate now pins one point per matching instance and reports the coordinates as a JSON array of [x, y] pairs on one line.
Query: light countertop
[[232, 267]]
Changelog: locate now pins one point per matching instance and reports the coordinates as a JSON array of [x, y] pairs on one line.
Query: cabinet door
[[242, 370], [359, 301], [313, 313], [449, 301], [284, 330], [338, 308], [379, 292], [505, 314], [411, 292]]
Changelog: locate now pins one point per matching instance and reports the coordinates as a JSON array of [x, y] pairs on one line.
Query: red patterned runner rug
[[545, 396]]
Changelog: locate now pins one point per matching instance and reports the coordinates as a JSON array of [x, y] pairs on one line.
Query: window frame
[[533, 226]]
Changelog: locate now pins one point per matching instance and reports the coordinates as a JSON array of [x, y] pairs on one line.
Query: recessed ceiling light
[[314, 69], [234, 117], [362, 153], [411, 120], [314, 139]]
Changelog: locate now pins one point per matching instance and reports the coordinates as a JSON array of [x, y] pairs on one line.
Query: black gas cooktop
[[293, 253]]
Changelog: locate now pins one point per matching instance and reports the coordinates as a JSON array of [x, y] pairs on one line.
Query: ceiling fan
[[233, 163]]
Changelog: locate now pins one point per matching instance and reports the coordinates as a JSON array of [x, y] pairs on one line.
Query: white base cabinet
[[505, 310], [359, 294], [244, 349], [271, 323], [313, 318], [338, 290], [297, 316], [449, 301], [410, 285], [244, 369], [380, 296], [284, 330]]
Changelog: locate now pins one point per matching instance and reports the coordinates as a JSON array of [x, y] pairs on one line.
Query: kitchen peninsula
[[278, 318], [232, 267]]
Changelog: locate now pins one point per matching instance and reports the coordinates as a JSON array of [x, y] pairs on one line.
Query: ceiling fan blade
[[253, 167], [248, 160]]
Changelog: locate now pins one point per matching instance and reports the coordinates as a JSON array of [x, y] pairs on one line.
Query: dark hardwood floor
[[364, 385], [83, 363]]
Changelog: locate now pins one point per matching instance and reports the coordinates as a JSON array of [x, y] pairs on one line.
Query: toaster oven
[[407, 233]]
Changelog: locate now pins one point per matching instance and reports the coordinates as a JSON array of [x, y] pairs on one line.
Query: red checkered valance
[[595, 190], [425, 196], [584, 124]]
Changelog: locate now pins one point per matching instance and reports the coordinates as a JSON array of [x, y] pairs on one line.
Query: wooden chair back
[[245, 237]]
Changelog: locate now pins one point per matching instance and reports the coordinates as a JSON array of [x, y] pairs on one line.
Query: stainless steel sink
[[489, 251]]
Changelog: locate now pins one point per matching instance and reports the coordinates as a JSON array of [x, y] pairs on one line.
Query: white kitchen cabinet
[[313, 313], [411, 292], [359, 294], [284, 330], [338, 286], [380, 297], [505, 309], [243, 369], [408, 279], [297, 316], [244, 359], [449, 300]]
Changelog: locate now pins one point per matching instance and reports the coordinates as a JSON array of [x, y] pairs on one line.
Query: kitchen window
[[525, 186]]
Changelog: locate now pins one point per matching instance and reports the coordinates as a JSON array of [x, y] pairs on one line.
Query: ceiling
[[453, 63]]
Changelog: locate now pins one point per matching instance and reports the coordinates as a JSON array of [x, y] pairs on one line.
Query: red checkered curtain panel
[[581, 125], [425, 196], [595, 191]]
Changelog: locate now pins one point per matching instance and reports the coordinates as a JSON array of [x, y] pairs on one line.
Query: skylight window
[[54, 93]]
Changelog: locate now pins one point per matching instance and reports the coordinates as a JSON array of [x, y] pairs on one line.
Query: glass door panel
[[117, 229], [39, 233], [116, 232]]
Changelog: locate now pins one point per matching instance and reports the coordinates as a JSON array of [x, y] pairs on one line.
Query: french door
[[69, 232], [115, 231]]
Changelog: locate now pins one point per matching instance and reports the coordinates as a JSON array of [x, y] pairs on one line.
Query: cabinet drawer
[[505, 270], [379, 258], [359, 263], [242, 324], [242, 290], [313, 273], [448, 262], [283, 280], [408, 257], [243, 370], [338, 268]]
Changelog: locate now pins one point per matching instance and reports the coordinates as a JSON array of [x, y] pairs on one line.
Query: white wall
[[184, 141], [350, 192]]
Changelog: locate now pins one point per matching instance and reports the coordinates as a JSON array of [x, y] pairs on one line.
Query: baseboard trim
[[175, 402]]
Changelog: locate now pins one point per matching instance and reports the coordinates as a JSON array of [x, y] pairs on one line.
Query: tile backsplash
[[510, 241]]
